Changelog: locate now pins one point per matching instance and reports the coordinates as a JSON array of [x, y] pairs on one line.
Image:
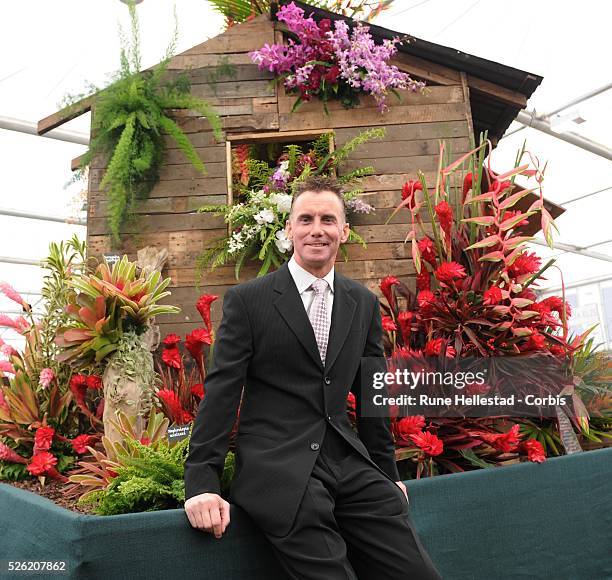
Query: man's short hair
[[318, 183]]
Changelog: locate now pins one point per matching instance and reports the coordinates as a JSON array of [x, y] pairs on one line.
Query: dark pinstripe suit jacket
[[266, 343]]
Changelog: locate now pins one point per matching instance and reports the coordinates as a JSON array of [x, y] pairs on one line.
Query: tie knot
[[319, 286]]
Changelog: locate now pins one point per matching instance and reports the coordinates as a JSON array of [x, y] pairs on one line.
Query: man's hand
[[208, 512], [401, 485]]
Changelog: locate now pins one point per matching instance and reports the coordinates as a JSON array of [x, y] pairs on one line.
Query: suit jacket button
[[314, 446], [327, 381]]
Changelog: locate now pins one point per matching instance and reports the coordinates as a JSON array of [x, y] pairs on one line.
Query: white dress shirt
[[304, 279]]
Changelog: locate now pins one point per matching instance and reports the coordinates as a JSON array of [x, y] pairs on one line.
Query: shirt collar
[[304, 279]]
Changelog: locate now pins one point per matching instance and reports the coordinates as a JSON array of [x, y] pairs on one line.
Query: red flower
[[445, 214], [428, 442], [173, 407], [423, 280], [388, 324], [410, 425], [81, 442], [467, 184], [447, 272], [78, 387], [196, 340], [535, 451], [504, 442], [7, 454], [145, 441], [426, 299], [536, 341], [351, 406], [43, 438], [409, 188], [434, 346], [44, 464], [427, 250], [331, 76], [557, 350], [94, 382], [203, 307], [405, 321], [510, 214], [386, 284], [172, 340], [492, 296], [555, 304], [198, 390], [526, 263], [172, 358]]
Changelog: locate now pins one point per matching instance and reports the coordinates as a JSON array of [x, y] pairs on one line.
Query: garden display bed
[[550, 520]]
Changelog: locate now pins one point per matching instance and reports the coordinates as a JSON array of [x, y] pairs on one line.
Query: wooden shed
[[467, 95]]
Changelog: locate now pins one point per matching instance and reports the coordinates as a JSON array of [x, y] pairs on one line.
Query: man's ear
[[345, 233], [288, 230]]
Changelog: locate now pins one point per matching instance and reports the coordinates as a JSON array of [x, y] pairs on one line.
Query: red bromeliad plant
[[474, 298]]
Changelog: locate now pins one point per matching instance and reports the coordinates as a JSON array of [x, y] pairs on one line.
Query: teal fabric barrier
[[549, 521]]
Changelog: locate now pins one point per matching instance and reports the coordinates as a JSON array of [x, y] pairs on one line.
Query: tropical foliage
[[130, 124], [264, 184]]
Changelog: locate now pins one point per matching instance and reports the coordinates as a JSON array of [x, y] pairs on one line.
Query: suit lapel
[[291, 308], [342, 317]]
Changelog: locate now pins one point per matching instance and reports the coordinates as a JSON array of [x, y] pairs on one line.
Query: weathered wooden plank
[[433, 95], [411, 132], [387, 233], [393, 182], [390, 165], [262, 88], [159, 223], [196, 61], [202, 139], [206, 154], [236, 123], [64, 115], [502, 94], [426, 70], [98, 206], [377, 149], [198, 186], [188, 171], [220, 73], [371, 117], [178, 243]]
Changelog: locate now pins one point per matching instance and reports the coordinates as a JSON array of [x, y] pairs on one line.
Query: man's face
[[317, 227]]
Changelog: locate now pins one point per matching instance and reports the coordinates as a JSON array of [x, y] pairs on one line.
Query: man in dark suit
[[329, 500]]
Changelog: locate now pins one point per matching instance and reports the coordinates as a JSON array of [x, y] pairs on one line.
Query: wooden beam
[[502, 94], [278, 136], [76, 163], [67, 114]]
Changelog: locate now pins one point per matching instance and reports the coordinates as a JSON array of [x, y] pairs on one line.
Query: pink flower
[[10, 456], [13, 295], [6, 367], [8, 351], [47, 376], [20, 324], [448, 272]]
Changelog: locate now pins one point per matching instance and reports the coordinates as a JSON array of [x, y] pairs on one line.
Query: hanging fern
[[129, 124]]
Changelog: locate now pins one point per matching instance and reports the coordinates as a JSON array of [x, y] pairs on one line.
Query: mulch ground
[[53, 490]]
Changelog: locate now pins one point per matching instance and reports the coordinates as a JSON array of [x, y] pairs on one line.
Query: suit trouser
[[352, 523]]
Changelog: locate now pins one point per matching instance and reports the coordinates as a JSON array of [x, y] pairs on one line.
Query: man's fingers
[[215, 521], [225, 514]]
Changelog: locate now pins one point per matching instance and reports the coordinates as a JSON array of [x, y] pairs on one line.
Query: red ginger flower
[[526, 263], [13, 295], [171, 340], [388, 324], [81, 442], [94, 382], [7, 454], [493, 296], [423, 280], [504, 442], [386, 285], [172, 358], [467, 184], [427, 250], [535, 451], [426, 299], [555, 304], [6, 367], [198, 390], [405, 321], [445, 214], [433, 347], [203, 307], [535, 342], [19, 324], [410, 425], [173, 406], [428, 442], [351, 406], [447, 272], [78, 387], [43, 438], [196, 340], [409, 189], [44, 464]]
